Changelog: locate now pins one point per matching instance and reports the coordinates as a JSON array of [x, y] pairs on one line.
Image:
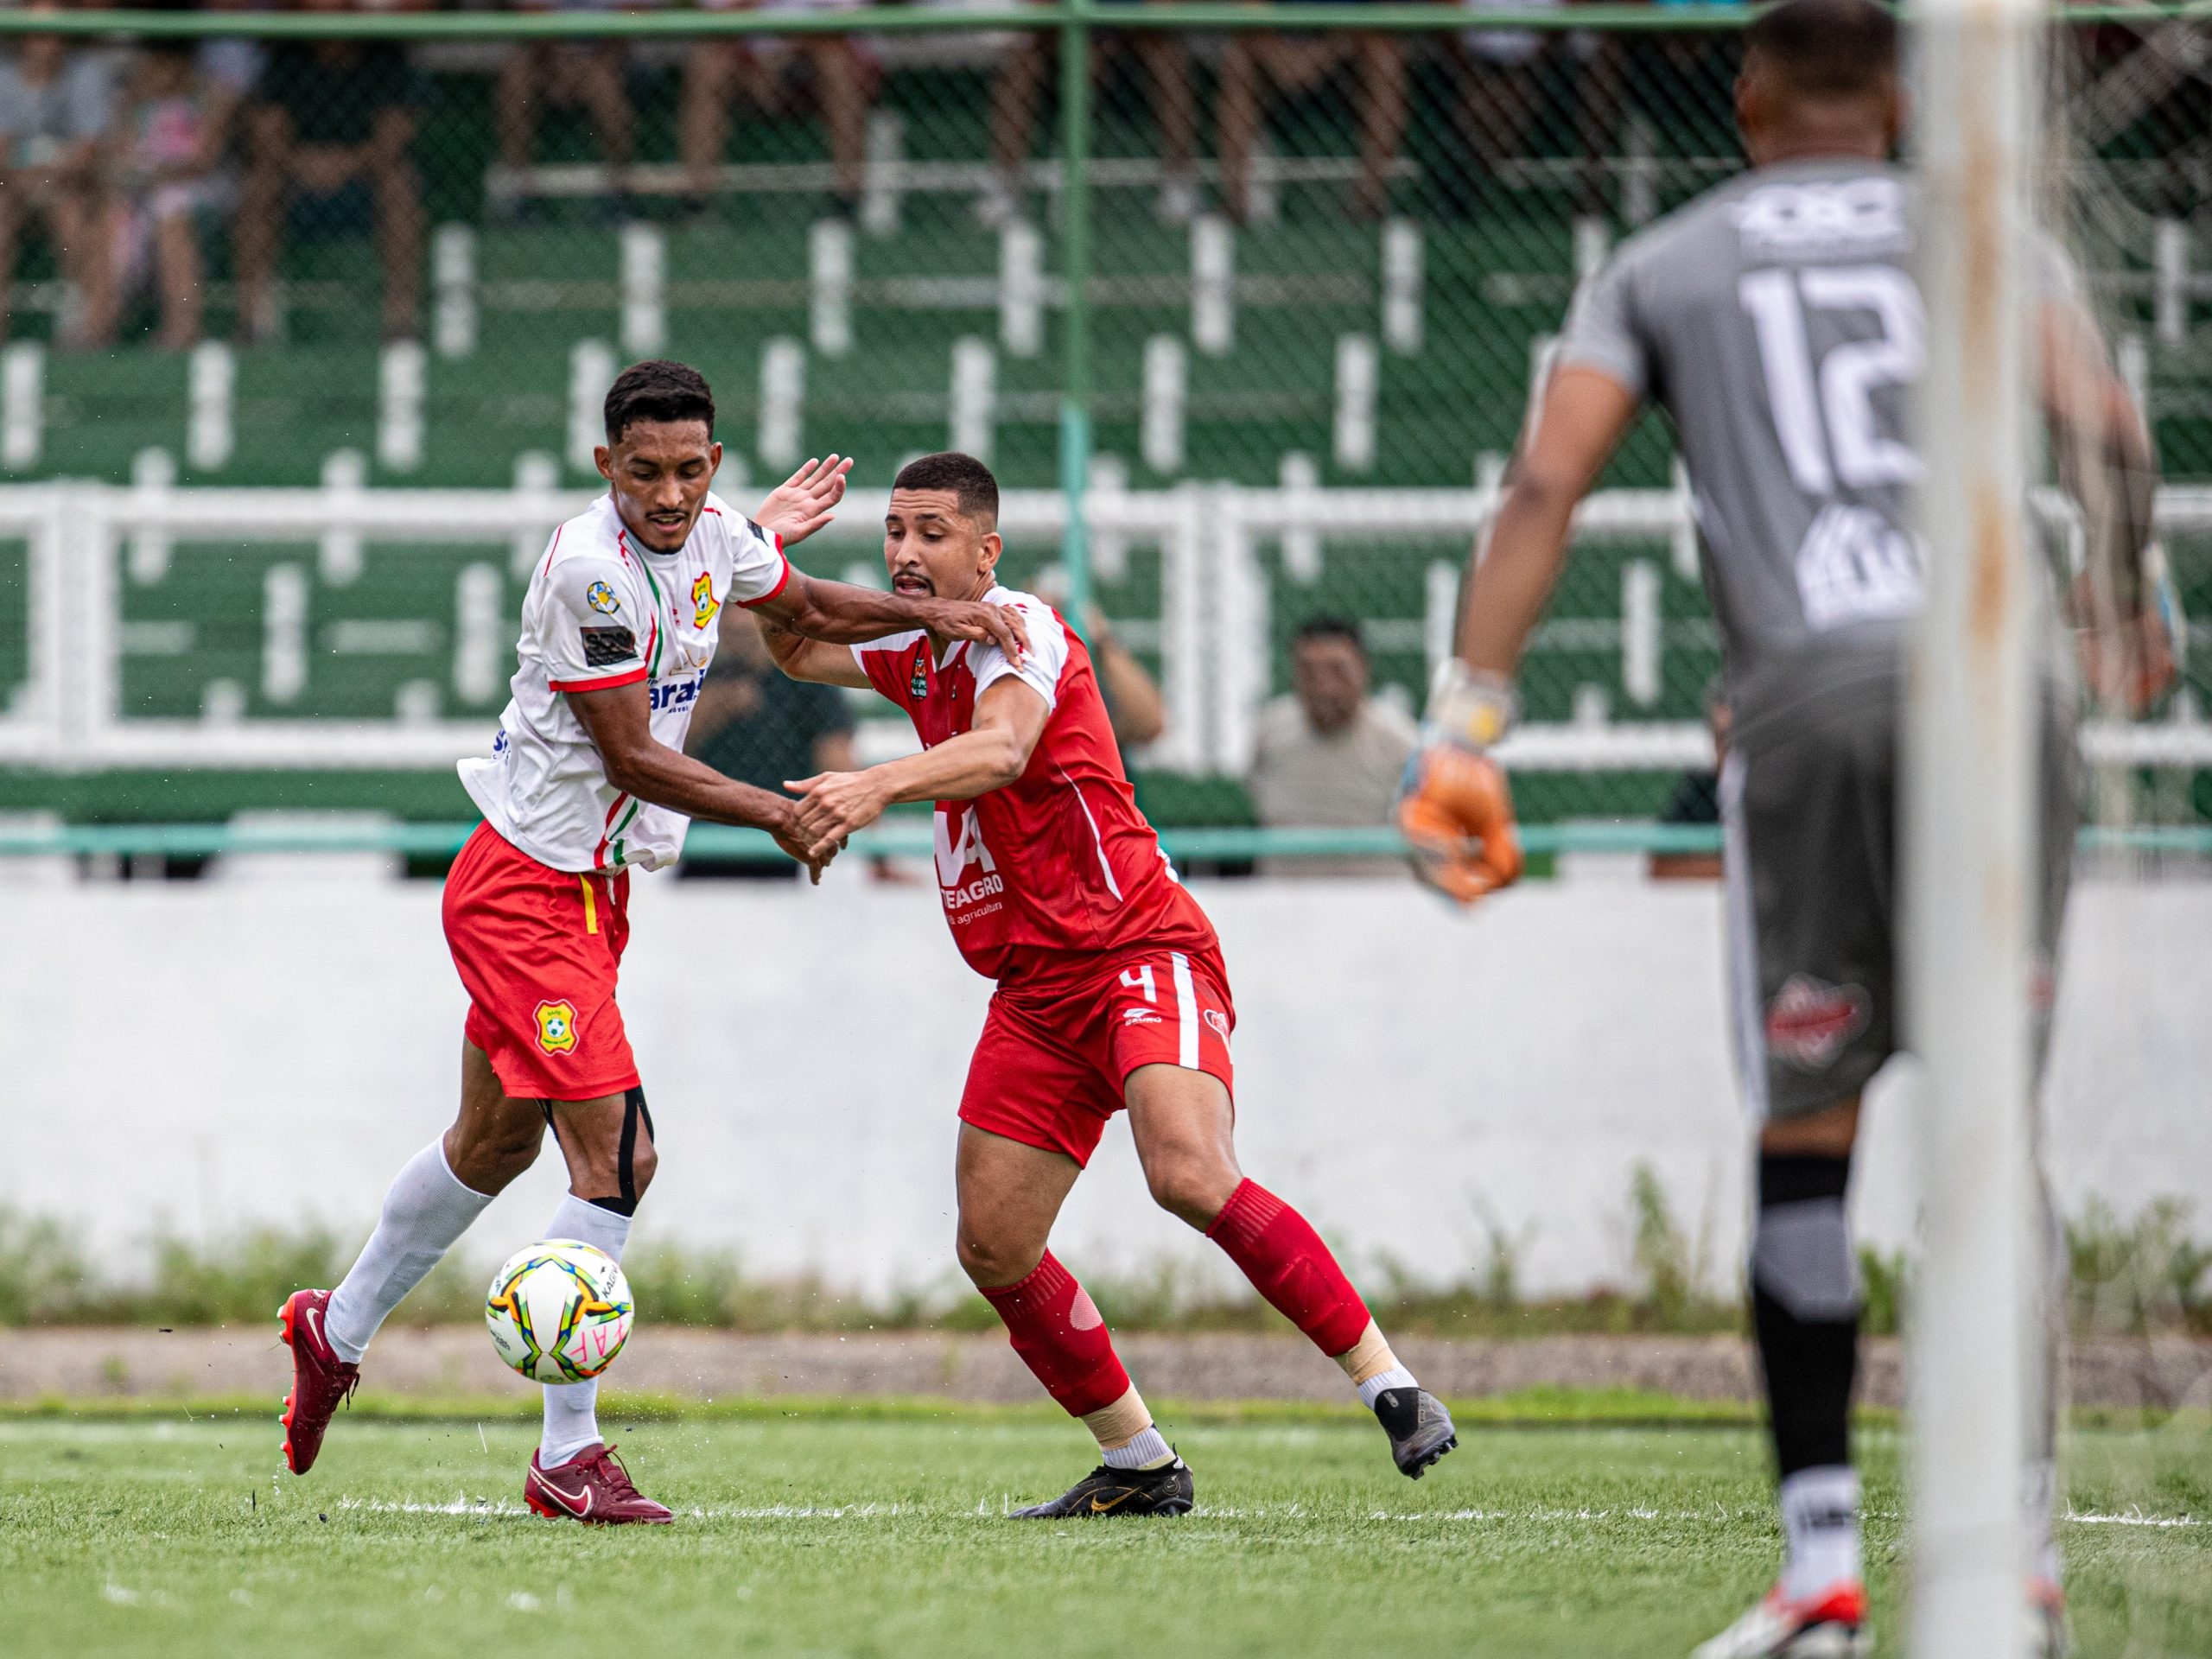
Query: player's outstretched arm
[[619, 722], [818, 660], [840, 614], [1010, 717], [806, 501], [1454, 808]]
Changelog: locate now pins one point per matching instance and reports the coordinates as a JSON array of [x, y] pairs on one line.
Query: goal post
[[1969, 829]]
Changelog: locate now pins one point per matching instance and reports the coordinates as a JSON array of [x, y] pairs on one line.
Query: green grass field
[[834, 1532]]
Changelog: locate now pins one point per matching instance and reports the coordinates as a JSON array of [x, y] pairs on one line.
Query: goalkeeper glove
[[1454, 808]]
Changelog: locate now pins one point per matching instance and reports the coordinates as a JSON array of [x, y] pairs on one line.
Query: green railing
[[710, 844]]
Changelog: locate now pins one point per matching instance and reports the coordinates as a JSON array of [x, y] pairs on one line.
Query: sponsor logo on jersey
[[601, 598], [557, 1028], [703, 602], [1809, 1020], [959, 845], [918, 687], [605, 647], [677, 694]]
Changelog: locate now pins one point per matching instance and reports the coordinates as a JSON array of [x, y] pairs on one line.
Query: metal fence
[[1268, 299]]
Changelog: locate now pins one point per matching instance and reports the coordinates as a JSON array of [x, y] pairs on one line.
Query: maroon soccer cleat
[[321, 1381], [592, 1487]]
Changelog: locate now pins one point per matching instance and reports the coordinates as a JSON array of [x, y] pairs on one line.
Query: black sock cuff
[[1794, 1178], [618, 1206]]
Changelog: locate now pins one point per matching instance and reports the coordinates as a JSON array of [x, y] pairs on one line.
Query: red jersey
[[1043, 876]]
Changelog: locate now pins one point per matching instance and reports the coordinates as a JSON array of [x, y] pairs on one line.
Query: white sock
[[572, 1409], [1820, 1521], [1397, 1377], [427, 1210], [1147, 1451]]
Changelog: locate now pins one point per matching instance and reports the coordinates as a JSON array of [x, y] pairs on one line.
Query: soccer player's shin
[[572, 1409], [1805, 1311], [1057, 1331], [1279, 1251], [425, 1213]]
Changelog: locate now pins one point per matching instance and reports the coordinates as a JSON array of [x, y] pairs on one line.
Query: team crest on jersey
[[557, 1028], [1809, 1020], [703, 602], [601, 598], [918, 687]]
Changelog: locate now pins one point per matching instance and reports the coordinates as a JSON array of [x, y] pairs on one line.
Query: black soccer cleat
[[1164, 1490], [1420, 1428]]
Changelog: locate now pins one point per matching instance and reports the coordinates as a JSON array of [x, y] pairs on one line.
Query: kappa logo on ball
[[557, 1028], [1809, 1020], [601, 598]]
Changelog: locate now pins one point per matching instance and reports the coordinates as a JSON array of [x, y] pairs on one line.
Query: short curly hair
[[969, 479], [658, 391]]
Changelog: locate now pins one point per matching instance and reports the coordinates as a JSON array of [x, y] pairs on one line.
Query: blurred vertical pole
[[1970, 831], [1075, 389]]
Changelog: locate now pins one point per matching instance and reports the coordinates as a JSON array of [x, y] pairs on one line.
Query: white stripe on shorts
[[1186, 1012], [1743, 935]]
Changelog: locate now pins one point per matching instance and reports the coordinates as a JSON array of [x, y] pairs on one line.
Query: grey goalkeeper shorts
[[1808, 805]]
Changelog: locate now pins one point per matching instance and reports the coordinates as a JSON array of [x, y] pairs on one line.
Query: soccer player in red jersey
[[1111, 991], [587, 778]]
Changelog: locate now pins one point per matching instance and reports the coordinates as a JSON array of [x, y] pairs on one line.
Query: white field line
[[504, 1509]]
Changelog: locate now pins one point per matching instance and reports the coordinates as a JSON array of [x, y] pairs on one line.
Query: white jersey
[[603, 610]]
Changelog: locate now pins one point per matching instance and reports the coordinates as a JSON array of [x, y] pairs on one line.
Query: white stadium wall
[[268, 1046]]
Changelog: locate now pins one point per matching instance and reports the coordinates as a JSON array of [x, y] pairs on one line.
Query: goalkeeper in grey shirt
[[1776, 321]]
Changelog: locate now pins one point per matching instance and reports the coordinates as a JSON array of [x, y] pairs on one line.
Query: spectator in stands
[[332, 124], [1018, 97], [56, 103], [757, 727], [590, 75], [775, 74], [1696, 799], [1329, 755], [168, 161], [1256, 68]]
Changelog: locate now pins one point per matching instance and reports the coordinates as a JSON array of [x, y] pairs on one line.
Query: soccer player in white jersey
[[1776, 321], [586, 780]]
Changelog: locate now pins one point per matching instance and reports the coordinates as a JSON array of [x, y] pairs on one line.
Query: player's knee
[[1191, 1184], [992, 1262], [486, 1161], [643, 1162]]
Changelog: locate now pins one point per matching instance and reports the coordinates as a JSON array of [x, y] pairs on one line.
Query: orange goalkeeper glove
[[1456, 814]]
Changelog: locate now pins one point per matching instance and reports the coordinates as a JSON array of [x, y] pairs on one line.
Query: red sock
[[1058, 1332], [1289, 1265]]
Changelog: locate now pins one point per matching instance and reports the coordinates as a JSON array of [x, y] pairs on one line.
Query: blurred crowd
[[142, 163]]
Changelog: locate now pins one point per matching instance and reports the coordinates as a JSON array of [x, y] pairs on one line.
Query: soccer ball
[[559, 1311]]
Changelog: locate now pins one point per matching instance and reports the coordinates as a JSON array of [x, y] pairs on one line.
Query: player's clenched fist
[[1456, 814]]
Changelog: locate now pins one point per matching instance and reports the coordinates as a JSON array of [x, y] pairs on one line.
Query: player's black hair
[[1331, 625], [658, 391], [969, 480], [1826, 48]]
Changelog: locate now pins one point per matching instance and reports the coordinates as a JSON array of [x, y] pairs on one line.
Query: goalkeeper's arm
[[1455, 808], [2124, 604]]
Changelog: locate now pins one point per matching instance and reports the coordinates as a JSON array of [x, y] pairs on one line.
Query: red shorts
[[538, 949], [1050, 1067]]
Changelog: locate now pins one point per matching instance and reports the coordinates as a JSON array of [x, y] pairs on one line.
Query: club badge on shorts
[[557, 1028], [1809, 1020]]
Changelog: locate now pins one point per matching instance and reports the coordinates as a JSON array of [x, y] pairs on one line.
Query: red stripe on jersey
[[627, 677], [782, 581], [599, 853], [551, 550]]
